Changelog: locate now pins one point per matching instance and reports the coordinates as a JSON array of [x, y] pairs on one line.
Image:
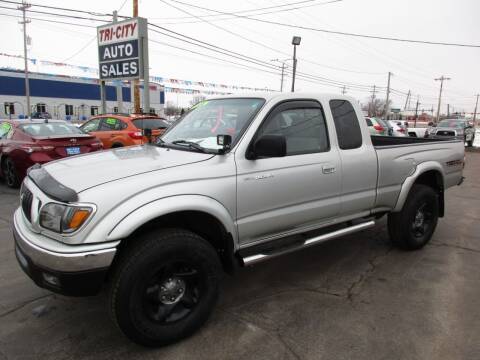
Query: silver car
[[460, 129]]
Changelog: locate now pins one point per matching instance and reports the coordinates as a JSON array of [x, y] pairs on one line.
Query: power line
[[376, 37], [251, 10], [254, 14]]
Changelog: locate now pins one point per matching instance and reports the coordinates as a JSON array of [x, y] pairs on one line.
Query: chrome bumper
[[63, 258]]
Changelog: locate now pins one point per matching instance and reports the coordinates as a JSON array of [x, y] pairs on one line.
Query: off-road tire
[[402, 226], [129, 305]]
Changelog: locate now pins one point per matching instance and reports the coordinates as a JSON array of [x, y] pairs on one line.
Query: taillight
[[32, 148], [137, 135], [401, 130], [378, 127]]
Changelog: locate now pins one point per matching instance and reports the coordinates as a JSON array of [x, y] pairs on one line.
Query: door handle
[[328, 169]]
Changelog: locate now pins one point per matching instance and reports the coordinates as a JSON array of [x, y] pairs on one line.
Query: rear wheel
[[165, 287], [413, 227], [10, 174]]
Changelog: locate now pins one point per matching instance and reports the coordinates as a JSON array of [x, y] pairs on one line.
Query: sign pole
[[136, 90], [103, 96], [146, 72], [118, 87]]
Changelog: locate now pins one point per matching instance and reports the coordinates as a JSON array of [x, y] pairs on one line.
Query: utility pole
[[475, 111], [388, 96], [24, 22], [344, 90], [372, 105], [416, 111], [407, 102], [441, 79], [118, 87], [448, 110], [136, 89]]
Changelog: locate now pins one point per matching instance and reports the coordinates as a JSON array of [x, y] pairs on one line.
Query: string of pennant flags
[[158, 79]]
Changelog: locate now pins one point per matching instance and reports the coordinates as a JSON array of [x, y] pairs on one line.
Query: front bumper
[[65, 272]]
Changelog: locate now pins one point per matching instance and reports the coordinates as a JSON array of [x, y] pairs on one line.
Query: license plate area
[[75, 150]]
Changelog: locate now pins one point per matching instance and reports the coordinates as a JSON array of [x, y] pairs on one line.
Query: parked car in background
[[25, 143], [118, 130], [398, 129], [376, 126], [41, 115], [460, 129]]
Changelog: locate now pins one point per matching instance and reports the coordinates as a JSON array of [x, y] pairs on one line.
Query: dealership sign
[[122, 49]]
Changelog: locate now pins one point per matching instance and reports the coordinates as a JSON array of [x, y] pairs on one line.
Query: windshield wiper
[[191, 145]]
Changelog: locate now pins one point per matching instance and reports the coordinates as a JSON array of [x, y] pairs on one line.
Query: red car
[[24, 143]]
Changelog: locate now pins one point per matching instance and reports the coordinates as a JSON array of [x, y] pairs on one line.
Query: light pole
[[295, 41]]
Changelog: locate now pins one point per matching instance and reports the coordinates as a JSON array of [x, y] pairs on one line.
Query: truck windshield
[[210, 118]]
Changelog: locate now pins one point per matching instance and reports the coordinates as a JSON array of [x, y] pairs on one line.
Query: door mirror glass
[[431, 124], [269, 146]]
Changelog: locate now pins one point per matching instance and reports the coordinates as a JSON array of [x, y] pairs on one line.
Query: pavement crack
[[24, 304], [364, 275], [272, 333], [442, 244]]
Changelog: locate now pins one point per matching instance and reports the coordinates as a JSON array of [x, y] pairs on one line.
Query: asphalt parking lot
[[351, 298]]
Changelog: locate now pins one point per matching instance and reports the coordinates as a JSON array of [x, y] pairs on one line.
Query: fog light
[[51, 279]]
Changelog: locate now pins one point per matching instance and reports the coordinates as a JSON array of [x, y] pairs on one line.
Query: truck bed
[[398, 158]]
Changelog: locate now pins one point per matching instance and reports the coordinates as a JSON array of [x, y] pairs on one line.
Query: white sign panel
[[120, 49]]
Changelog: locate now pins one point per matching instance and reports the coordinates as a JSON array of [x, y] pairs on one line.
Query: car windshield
[[210, 118], [50, 129], [451, 123], [150, 123]]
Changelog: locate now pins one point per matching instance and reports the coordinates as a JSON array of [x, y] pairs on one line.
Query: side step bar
[[253, 259]]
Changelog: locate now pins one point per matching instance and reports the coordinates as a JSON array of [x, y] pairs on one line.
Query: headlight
[[63, 218]]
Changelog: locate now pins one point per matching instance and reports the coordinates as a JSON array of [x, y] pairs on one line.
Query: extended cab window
[[304, 129], [346, 123]]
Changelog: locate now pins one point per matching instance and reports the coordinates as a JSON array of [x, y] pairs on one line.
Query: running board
[[253, 259]]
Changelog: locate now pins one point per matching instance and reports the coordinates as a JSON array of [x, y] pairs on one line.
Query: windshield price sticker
[[5, 127], [111, 121]]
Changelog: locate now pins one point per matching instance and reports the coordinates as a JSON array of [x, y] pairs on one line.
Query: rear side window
[[346, 124], [109, 124], [153, 124]]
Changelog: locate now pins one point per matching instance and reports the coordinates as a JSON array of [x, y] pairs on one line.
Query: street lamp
[[295, 41]]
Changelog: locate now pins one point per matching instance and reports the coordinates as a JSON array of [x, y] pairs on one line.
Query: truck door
[[357, 157], [284, 194]]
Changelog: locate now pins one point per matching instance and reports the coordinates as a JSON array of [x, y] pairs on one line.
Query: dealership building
[[66, 97]]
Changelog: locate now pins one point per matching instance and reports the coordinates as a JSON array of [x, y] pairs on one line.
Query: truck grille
[[26, 198], [445, 133]]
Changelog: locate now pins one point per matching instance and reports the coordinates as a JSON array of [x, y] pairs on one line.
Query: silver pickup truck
[[236, 181]]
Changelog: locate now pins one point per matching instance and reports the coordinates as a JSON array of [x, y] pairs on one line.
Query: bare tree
[[375, 107], [171, 109]]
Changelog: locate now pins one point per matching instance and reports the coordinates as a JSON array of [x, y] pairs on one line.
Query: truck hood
[[85, 171]]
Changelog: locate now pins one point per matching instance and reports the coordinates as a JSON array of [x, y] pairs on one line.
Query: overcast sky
[[340, 58]]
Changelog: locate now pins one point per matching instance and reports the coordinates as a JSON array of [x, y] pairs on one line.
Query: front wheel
[[165, 287], [413, 227]]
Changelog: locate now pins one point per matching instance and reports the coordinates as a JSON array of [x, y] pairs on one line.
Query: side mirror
[[269, 146], [225, 141], [431, 124]]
